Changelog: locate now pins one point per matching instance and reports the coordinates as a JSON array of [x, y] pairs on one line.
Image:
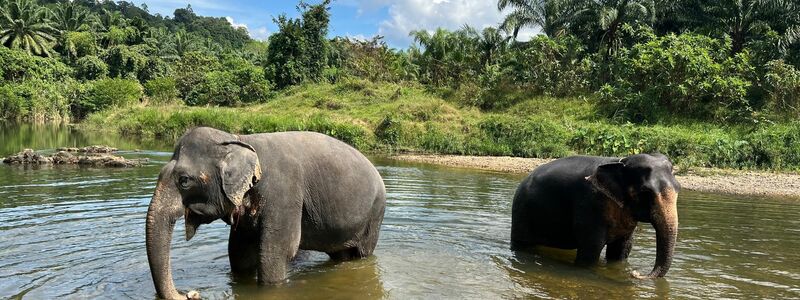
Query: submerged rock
[[93, 156]]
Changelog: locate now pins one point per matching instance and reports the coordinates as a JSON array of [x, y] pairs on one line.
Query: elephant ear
[[240, 170], [608, 180]]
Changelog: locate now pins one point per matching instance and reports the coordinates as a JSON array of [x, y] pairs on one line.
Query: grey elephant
[[280, 192], [587, 203]]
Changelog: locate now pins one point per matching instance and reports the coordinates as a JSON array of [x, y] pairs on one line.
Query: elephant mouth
[[193, 220]]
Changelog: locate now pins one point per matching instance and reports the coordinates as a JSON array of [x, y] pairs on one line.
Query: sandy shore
[[699, 179]]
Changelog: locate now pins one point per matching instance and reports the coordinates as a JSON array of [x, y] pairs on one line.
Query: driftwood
[[92, 156]]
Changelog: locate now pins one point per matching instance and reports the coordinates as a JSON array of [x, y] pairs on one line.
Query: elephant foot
[[193, 295]]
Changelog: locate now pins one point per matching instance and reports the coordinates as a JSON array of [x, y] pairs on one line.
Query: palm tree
[[68, 16], [183, 42], [25, 25], [601, 20], [552, 16], [745, 20]]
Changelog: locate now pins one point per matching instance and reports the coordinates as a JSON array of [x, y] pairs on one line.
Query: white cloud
[[234, 24], [261, 33], [408, 15]]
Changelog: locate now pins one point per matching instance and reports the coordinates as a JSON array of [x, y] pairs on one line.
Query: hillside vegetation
[[394, 117]]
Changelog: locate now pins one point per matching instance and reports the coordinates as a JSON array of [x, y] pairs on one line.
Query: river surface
[[79, 233]]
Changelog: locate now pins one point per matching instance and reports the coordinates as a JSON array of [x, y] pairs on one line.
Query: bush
[[124, 61], [90, 68], [190, 71], [105, 93], [388, 131], [217, 88], [782, 83], [535, 137], [161, 90], [16, 65], [36, 100], [254, 87], [689, 75]]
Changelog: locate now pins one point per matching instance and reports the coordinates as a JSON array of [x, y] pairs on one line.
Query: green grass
[[391, 118]]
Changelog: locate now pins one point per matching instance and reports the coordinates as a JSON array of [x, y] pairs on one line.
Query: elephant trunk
[[165, 208], [665, 222]]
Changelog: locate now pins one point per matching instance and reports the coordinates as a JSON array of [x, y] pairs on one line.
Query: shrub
[[17, 65], [782, 83], [90, 68], [105, 93], [685, 74], [190, 71], [12, 106], [124, 61], [217, 88], [36, 100], [254, 87], [388, 131], [535, 137], [161, 90]]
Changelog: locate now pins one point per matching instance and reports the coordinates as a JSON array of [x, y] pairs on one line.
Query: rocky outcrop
[[93, 156]]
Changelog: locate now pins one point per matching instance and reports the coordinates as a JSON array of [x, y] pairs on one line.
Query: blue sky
[[393, 19]]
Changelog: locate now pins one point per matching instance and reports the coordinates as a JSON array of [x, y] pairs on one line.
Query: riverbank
[[406, 118], [697, 179]]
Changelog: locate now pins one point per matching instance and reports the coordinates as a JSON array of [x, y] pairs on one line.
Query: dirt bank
[[697, 179]]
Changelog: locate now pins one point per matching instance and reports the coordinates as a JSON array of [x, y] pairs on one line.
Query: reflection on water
[[79, 233]]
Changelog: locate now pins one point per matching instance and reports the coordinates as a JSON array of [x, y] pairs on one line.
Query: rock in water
[[95, 156]]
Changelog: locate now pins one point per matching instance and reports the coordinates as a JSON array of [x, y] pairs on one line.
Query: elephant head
[[207, 178], [645, 186]]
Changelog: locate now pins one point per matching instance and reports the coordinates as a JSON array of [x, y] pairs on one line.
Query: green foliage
[[106, 93], [90, 68], [25, 25], [216, 87], [191, 68], [535, 137], [162, 90], [685, 75], [299, 51], [388, 131], [124, 61], [372, 60], [782, 82], [77, 44], [35, 100], [16, 65]]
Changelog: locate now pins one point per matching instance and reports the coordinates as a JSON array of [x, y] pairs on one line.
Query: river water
[[79, 233]]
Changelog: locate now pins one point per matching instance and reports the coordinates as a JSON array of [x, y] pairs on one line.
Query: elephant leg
[[619, 249], [280, 240], [590, 245], [243, 252], [345, 255]]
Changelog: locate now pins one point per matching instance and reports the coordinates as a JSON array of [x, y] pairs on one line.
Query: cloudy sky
[[393, 19]]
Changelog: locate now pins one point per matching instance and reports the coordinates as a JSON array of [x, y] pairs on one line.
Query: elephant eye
[[184, 181]]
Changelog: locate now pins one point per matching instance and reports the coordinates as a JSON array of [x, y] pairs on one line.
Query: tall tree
[[745, 20], [600, 21], [69, 16], [552, 16], [25, 25]]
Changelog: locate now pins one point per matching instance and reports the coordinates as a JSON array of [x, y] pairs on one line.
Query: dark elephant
[[586, 203], [280, 192]]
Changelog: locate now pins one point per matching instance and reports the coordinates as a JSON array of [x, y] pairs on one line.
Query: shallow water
[[79, 233]]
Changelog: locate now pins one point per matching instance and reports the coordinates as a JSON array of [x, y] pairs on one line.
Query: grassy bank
[[390, 117]]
